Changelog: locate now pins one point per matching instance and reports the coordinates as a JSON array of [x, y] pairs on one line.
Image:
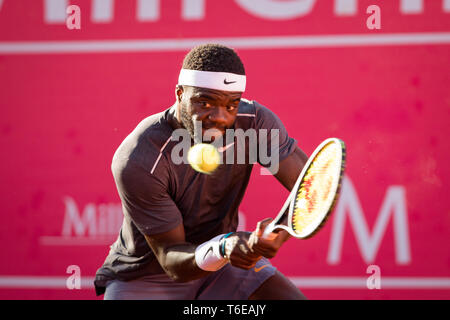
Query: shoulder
[[261, 115], [141, 149], [253, 108], [246, 114], [246, 108]]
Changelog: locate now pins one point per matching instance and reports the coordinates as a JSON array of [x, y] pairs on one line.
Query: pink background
[[64, 115]]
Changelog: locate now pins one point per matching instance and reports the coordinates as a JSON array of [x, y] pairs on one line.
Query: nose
[[219, 116]]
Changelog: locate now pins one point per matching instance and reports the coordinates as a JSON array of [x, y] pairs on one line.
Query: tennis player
[[178, 239]]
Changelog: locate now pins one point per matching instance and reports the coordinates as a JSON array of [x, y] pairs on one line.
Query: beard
[[194, 127], [188, 123]]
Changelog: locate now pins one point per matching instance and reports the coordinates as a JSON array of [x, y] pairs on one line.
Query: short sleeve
[[145, 198], [272, 137]]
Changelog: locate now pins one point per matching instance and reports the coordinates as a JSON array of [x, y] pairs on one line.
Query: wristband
[[207, 255], [222, 244]]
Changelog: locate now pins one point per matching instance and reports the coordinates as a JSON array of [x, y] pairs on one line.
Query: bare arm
[[177, 257], [290, 168]]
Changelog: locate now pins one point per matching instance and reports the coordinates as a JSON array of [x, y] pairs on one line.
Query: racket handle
[[268, 230]]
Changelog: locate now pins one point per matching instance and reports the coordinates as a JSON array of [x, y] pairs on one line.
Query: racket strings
[[316, 193]]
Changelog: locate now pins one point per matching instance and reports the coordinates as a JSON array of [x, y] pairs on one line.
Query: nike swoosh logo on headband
[[228, 82]]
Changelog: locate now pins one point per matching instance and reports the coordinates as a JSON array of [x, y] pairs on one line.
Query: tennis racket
[[315, 192]]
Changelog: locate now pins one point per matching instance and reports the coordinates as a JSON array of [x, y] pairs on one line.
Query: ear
[[179, 93]]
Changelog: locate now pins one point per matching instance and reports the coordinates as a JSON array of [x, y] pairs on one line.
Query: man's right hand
[[238, 251]]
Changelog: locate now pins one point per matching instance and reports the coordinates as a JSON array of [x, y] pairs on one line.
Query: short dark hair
[[213, 57]]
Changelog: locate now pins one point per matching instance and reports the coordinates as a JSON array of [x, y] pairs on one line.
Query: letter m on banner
[[394, 205], [80, 223]]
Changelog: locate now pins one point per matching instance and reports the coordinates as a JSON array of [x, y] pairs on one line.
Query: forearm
[[185, 262], [290, 168], [179, 263]]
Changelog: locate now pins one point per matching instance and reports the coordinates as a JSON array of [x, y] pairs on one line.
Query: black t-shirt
[[157, 195]]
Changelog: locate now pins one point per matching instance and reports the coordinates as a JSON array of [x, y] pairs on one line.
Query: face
[[215, 109]]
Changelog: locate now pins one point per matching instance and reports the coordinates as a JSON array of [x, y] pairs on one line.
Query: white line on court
[[435, 283], [361, 282]]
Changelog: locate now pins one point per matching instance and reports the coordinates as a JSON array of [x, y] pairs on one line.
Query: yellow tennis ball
[[203, 158]]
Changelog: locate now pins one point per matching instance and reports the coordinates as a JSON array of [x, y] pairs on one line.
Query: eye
[[205, 104], [232, 107]]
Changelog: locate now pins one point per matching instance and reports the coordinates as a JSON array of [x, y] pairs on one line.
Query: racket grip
[[268, 230]]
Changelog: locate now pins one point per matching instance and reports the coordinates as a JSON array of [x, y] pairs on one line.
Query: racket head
[[318, 189]]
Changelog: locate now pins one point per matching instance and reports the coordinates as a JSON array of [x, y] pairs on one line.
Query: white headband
[[212, 80]]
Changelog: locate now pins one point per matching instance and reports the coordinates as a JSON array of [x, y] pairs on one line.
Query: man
[[178, 239]]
